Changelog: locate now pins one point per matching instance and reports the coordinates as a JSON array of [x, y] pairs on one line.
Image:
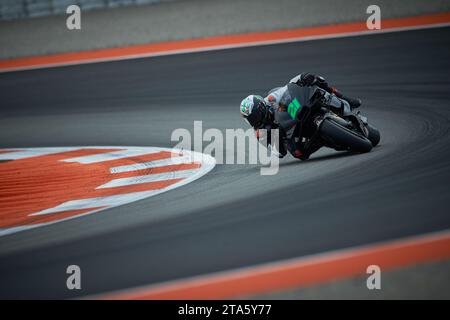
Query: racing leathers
[[306, 80], [297, 146]]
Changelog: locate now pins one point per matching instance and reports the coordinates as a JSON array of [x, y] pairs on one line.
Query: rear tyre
[[342, 137], [374, 135]]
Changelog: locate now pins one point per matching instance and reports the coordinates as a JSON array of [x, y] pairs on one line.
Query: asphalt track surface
[[233, 217]]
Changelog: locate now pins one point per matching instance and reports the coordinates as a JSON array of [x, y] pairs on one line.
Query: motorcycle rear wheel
[[342, 137]]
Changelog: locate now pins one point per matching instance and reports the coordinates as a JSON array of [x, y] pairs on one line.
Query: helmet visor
[[256, 118]]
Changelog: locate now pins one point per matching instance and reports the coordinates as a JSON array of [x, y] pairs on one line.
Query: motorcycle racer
[[260, 114]]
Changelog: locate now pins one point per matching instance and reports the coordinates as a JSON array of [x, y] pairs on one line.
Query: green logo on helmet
[[245, 107]]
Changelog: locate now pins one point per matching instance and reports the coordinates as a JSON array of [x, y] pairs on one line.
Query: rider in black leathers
[[260, 113]]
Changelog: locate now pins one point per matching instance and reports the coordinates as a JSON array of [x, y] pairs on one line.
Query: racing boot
[[304, 152], [308, 151], [354, 103], [310, 146]]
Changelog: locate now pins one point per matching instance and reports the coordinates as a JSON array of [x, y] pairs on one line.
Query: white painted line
[[230, 46], [264, 268], [6, 231], [156, 163], [32, 152], [115, 155], [181, 174], [110, 201]]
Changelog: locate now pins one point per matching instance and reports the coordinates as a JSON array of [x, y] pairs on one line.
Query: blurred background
[[36, 27]]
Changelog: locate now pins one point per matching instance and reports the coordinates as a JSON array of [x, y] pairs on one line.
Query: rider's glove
[[310, 79], [307, 79]]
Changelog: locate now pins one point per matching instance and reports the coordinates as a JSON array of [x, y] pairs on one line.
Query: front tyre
[[343, 138], [374, 135]]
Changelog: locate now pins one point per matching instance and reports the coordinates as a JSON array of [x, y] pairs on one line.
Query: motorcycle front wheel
[[374, 135]]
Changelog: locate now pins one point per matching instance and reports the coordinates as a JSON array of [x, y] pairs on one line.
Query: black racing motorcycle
[[322, 119]]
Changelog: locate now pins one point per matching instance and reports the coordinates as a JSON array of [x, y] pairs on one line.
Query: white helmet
[[255, 110]]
